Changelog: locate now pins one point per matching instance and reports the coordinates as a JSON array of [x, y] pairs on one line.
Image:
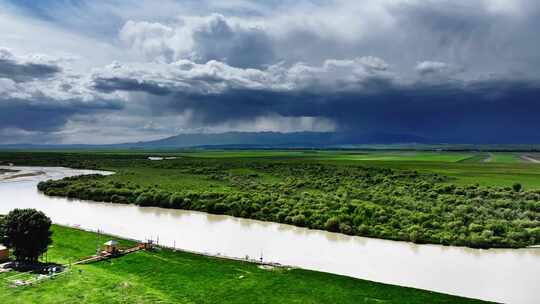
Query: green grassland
[[491, 174], [333, 155], [164, 276], [400, 156], [506, 158], [502, 168]]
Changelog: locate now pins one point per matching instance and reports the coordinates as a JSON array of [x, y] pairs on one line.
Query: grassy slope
[[174, 277]]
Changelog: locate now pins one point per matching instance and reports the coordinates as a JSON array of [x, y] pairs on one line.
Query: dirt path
[[530, 159]]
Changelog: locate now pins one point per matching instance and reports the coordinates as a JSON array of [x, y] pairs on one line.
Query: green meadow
[[165, 276], [483, 168]]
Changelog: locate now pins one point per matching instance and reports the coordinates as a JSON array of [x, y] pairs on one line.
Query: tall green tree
[[28, 232]]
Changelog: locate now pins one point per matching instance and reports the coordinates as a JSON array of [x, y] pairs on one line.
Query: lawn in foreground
[[165, 276]]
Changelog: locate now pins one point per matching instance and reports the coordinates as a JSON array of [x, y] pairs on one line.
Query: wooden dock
[[106, 255]]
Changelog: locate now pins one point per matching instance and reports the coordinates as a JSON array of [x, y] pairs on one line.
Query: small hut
[[148, 245], [111, 246], [4, 253]]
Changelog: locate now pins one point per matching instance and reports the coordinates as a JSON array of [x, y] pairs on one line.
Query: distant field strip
[[500, 158], [509, 158], [495, 157], [404, 156], [478, 158], [244, 154]]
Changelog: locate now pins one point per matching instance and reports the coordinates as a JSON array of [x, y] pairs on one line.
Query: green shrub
[[332, 224]]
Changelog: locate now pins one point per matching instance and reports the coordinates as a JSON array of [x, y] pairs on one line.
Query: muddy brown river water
[[502, 275]]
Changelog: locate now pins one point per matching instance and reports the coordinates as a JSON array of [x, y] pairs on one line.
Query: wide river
[[509, 276]]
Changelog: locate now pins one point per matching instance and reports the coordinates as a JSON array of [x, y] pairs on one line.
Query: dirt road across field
[[530, 159]]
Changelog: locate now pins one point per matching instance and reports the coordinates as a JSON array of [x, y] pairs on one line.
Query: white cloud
[[437, 69], [7, 86], [23, 34], [200, 39], [214, 77], [151, 39]]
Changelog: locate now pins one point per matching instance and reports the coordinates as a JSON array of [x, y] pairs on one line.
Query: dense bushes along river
[[374, 202]]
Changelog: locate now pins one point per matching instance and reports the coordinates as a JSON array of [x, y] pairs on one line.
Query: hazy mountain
[[251, 139], [276, 139]]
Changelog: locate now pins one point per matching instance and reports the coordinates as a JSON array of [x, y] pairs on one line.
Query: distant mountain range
[[253, 140], [299, 140], [277, 139]]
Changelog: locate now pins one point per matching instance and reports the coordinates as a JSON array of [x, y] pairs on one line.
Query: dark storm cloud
[[239, 47], [112, 84], [209, 38], [451, 22], [17, 114], [472, 34], [480, 36], [37, 97], [488, 111], [47, 115], [26, 71]]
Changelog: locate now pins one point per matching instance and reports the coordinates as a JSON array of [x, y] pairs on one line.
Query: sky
[[111, 71]]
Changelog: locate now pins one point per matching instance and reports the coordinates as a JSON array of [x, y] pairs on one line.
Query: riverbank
[[167, 276]]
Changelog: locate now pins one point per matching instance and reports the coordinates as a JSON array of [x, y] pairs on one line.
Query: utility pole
[[97, 242]]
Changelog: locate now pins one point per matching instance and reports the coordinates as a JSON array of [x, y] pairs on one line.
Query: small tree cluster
[[27, 231]]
